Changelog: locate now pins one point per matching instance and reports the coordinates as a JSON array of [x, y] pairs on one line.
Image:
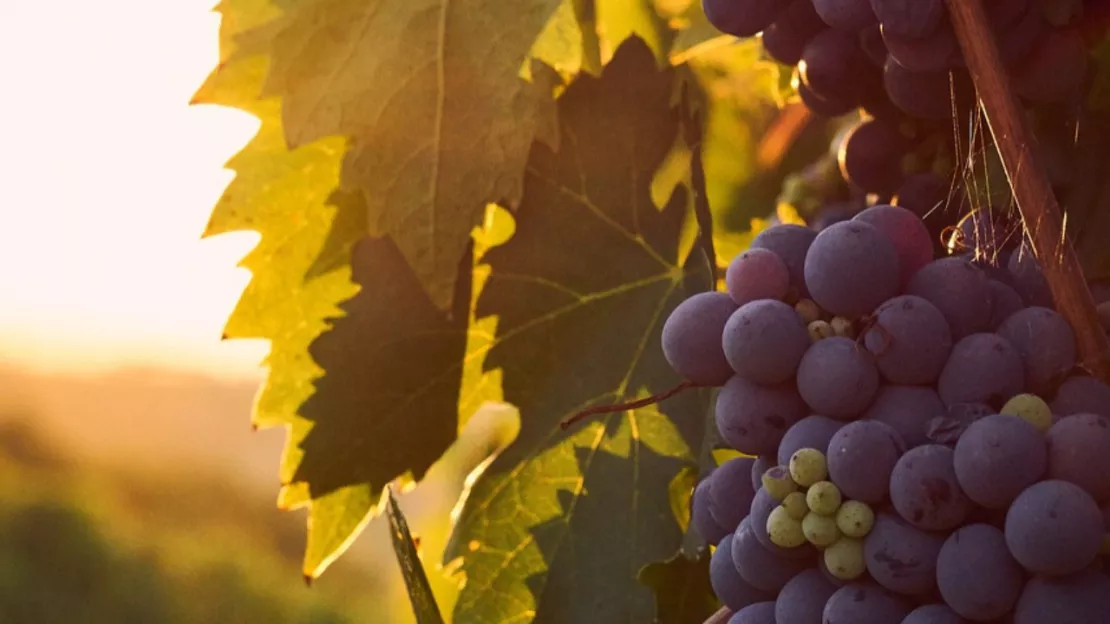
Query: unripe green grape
[[819, 330], [844, 559], [808, 310], [784, 531], [823, 498], [1031, 408], [842, 327], [808, 466], [855, 519], [778, 483], [795, 505], [820, 530]]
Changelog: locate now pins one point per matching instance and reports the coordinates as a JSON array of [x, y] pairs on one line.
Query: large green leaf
[[559, 525], [683, 594], [432, 96]]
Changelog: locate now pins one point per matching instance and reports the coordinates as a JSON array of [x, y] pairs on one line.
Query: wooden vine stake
[[1040, 213]]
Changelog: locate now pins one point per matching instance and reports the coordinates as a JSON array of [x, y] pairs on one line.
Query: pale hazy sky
[[107, 178]]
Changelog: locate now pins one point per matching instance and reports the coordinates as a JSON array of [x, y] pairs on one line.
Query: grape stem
[[1040, 212], [629, 405]]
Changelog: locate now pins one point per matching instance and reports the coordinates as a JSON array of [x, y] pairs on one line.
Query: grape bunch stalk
[[918, 443]]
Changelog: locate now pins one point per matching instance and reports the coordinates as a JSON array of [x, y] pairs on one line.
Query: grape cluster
[[918, 443]]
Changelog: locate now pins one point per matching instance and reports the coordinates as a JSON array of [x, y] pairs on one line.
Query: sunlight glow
[[107, 178]]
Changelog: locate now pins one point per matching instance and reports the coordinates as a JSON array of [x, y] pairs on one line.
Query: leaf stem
[[629, 405], [1040, 212]]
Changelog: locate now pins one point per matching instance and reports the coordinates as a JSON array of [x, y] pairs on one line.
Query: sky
[[107, 179]]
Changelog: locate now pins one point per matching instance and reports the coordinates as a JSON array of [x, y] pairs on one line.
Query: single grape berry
[[910, 340], [783, 530], [901, 557], [752, 418], [757, 274], [997, 457], [778, 483], [855, 519], [977, 575], [1075, 599], [823, 498], [803, 599], [865, 603], [1030, 408], [795, 505], [861, 458], [837, 379], [1054, 527], [819, 530], [925, 491], [851, 268], [764, 340], [1082, 395], [692, 338], [808, 466], [813, 432], [791, 243], [1079, 452], [844, 559]]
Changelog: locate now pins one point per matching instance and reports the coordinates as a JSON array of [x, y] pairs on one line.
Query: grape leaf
[[431, 94], [420, 592], [682, 590], [559, 525]]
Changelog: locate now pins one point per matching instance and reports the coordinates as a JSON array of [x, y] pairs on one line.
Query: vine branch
[[720, 617], [629, 405], [1040, 212]]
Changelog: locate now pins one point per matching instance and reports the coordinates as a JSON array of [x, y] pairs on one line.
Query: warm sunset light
[[107, 178]]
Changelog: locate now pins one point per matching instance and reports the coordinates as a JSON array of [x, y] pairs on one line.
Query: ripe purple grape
[[959, 290], [871, 156], [802, 600], [923, 193], [864, 603], [909, 18], [1082, 395], [1046, 344], [700, 517], [910, 339], [838, 379], [757, 274], [791, 243], [851, 268], [1005, 301], [813, 432], [983, 368], [692, 338], [1055, 68], [934, 614], [730, 497], [1028, 280], [831, 63], [977, 575], [908, 409], [933, 52], [1081, 598], [923, 94], [901, 557], [753, 418], [861, 457], [1079, 452], [907, 231], [925, 491], [758, 613], [741, 18], [761, 568], [1054, 527], [786, 38], [764, 340], [997, 458], [726, 581]]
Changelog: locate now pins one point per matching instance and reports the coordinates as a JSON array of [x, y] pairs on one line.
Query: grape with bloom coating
[[757, 274], [1079, 452], [997, 457], [1046, 344], [983, 368], [901, 557], [925, 491], [764, 340], [861, 458], [908, 409], [700, 517], [802, 600], [959, 290], [795, 505], [851, 268], [837, 379], [778, 483], [1030, 408], [1054, 527], [855, 519], [752, 418], [844, 559], [810, 432], [791, 242], [758, 613], [725, 579], [692, 338], [784, 531], [977, 575], [823, 498], [910, 339], [906, 231], [819, 530], [808, 466], [864, 603], [1082, 395], [1080, 598]]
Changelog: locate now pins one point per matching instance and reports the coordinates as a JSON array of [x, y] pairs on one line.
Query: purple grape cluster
[[898, 58], [915, 446]]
